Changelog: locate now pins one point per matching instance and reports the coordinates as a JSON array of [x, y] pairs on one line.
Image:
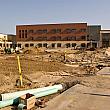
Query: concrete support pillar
[[100, 41], [63, 45], [85, 45], [49, 45], [91, 44], [70, 45], [97, 44], [55, 45]]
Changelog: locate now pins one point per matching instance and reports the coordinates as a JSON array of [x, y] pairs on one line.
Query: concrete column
[[49, 45], [91, 44], [55, 45], [70, 45], [97, 44], [63, 45], [85, 45], [100, 41]]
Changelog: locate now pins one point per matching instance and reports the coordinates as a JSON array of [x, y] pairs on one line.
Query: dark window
[[25, 31], [69, 38], [82, 30], [59, 45], [45, 45], [7, 45], [39, 45], [22, 35], [44, 38], [0, 44], [11, 45], [78, 38], [19, 45], [31, 45], [58, 38], [88, 38], [83, 37], [25, 35], [39, 38], [73, 30], [44, 31], [88, 45], [19, 33], [26, 45], [69, 30], [74, 38], [58, 30], [4, 45], [15, 45], [53, 31], [39, 32], [83, 45], [68, 45], [53, 45], [22, 31], [31, 31], [53, 38], [64, 38], [73, 44]]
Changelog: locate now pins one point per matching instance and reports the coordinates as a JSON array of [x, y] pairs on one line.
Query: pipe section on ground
[[21, 106], [7, 96], [38, 94]]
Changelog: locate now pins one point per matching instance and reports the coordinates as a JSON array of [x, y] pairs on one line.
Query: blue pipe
[[37, 95], [7, 96]]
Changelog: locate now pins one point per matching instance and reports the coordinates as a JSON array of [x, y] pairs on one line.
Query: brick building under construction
[[66, 35]]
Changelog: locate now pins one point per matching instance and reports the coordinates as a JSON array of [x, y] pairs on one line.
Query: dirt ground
[[44, 69]]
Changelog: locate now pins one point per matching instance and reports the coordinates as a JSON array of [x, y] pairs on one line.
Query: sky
[[19, 12]]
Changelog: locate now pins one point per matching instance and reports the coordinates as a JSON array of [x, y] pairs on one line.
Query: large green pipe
[[37, 95], [45, 93], [7, 96], [16, 101], [9, 102]]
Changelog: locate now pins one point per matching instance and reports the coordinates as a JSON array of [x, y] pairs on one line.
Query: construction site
[[55, 79]]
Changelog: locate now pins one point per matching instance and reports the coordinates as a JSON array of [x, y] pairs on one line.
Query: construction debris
[[28, 100], [43, 67]]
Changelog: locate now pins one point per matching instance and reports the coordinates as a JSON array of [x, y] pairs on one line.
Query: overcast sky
[[16, 12]]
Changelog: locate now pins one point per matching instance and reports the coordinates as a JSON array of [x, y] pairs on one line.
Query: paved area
[[81, 98]]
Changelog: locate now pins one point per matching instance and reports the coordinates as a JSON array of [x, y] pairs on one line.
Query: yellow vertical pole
[[19, 66]]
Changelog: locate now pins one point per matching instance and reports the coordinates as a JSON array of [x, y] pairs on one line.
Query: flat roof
[[95, 25], [49, 24], [104, 31]]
